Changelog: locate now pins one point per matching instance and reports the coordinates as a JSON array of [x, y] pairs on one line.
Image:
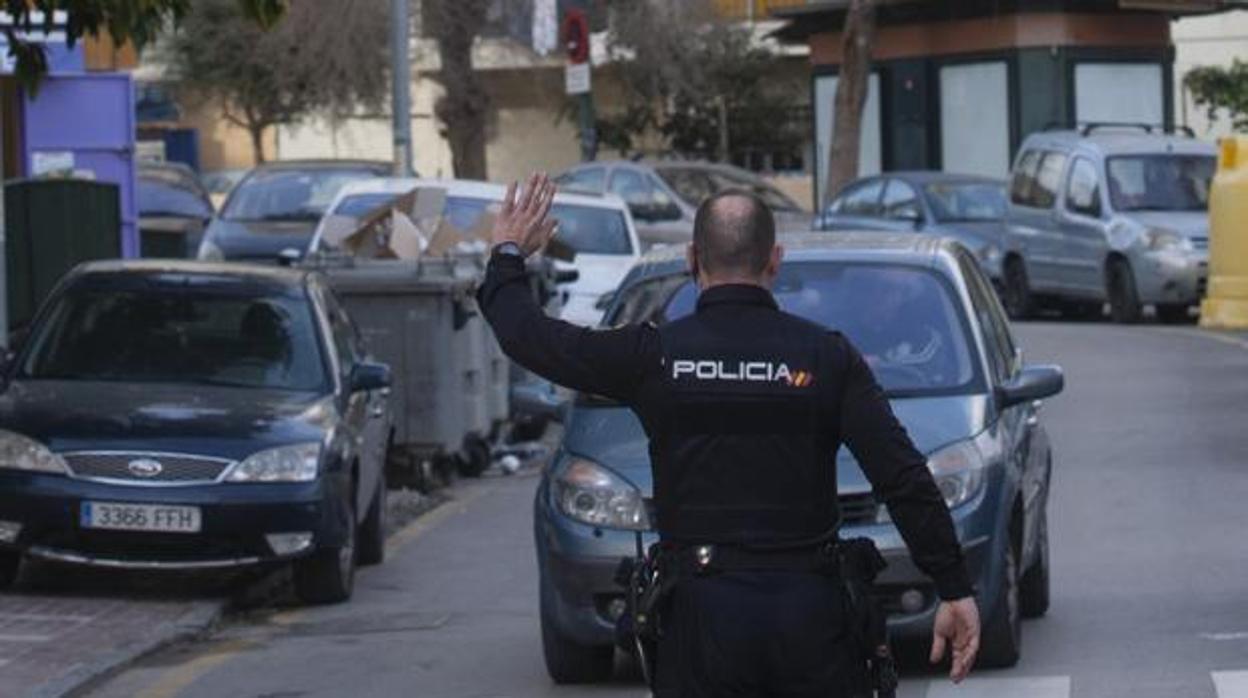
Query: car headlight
[[959, 471], [297, 463], [589, 493], [1162, 240], [210, 252], [19, 452]]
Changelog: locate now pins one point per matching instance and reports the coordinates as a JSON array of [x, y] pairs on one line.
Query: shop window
[[870, 152], [1122, 92], [975, 118]]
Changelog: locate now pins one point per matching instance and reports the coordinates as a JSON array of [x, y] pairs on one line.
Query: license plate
[[140, 517]]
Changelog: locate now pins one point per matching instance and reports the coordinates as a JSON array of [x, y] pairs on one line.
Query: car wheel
[[1033, 590], [10, 563], [1018, 299], [371, 548], [566, 661], [1002, 638], [328, 575], [1124, 298], [1172, 314], [528, 430], [474, 458]]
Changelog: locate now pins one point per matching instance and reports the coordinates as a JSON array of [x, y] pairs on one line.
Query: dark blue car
[[923, 313], [179, 415]]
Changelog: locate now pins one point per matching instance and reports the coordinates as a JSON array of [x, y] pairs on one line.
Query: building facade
[[957, 86]]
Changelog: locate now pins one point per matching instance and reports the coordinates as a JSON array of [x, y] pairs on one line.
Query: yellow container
[[1226, 306]]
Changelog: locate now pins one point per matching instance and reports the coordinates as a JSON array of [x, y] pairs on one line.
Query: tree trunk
[[851, 96], [463, 110], [257, 142]]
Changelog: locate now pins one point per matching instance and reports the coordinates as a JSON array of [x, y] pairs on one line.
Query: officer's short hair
[[734, 232]]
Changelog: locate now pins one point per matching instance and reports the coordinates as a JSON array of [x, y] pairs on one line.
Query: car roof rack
[[1086, 128]]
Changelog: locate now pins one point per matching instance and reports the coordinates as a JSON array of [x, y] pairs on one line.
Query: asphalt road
[[1150, 560]]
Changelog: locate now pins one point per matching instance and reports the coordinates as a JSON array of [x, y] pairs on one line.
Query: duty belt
[[683, 560]]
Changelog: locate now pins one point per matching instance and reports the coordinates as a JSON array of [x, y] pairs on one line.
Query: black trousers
[[755, 635]]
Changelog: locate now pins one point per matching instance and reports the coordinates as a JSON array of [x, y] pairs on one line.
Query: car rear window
[[905, 320], [586, 229], [289, 195], [1160, 182], [179, 334]]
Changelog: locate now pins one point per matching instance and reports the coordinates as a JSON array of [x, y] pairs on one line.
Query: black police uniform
[[745, 407]]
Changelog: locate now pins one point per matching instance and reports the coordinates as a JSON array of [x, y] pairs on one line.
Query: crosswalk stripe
[[1231, 684], [1031, 687]]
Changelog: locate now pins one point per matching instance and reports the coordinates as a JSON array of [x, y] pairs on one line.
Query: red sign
[[575, 33]]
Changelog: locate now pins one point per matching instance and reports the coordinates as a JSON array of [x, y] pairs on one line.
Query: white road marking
[[1231, 684], [48, 617], [1223, 637], [24, 638], [1035, 687]]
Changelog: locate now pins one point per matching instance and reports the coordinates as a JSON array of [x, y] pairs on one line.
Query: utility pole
[[401, 92], [4, 251]]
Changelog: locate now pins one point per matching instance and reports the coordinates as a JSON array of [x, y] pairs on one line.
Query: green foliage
[[685, 71], [1216, 87], [326, 56], [137, 21]]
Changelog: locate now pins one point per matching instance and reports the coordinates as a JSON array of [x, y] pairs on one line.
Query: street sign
[[576, 78]]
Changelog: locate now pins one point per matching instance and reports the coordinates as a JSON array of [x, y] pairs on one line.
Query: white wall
[[1208, 40]]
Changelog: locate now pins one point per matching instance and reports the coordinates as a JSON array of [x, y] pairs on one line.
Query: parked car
[[598, 228], [181, 415], [967, 208], [664, 195], [1109, 213], [938, 342], [220, 183], [173, 209], [274, 210]]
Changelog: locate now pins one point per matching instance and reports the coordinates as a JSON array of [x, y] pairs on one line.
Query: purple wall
[[89, 116]]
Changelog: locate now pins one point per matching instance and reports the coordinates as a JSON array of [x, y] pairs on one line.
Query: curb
[[194, 623]]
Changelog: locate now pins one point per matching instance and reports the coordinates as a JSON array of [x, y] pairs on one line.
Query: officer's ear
[[773, 264], [691, 256]]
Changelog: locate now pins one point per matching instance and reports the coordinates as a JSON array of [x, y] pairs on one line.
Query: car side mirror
[[567, 276], [370, 376], [652, 211], [1031, 383]]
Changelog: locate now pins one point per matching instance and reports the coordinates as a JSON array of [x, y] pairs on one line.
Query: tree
[[1217, 87], [328, 56], [851, 95], [464, 107], [136, 21], [696, 81]]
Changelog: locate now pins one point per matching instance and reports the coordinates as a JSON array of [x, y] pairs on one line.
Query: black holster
[[861, 563]]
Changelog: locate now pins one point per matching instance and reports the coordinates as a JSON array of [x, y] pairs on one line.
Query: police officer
[[745, 407]]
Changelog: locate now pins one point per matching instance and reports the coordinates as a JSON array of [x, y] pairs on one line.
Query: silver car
[[664, 195], [1108, 213]]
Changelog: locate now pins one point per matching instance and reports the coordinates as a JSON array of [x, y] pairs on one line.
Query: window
[[289, 195], [901, 202], [975, 118], [1048, 177], [346, 341], [954, 202], [992, 323], [861, 200], [1025, 177], [916, 338], [586, 229], [1161, 182], [1083, 190], [1122, 92], [588, 179], [632, 186], [870, 149]]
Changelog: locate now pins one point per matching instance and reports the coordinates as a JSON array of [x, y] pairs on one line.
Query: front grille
[[174, 468], [858, 508]]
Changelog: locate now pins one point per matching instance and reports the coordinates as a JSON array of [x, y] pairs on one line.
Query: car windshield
[[905, 320], [586, 229], [966, 201], [1160, 182], [289, 195], [179, 334], [693, 185], [157, 197], [360, 205]]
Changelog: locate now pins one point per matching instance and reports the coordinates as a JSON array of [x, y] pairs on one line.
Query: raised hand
[[525, 215]]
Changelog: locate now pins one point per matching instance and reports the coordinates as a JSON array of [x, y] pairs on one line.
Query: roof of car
[[931, 176], [469, 188], [284, 276], [1122, 141], [673, 163], [864, 247], [324, 164]]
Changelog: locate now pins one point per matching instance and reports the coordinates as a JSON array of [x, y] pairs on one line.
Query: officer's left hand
[[526, 220], [957, 626]]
